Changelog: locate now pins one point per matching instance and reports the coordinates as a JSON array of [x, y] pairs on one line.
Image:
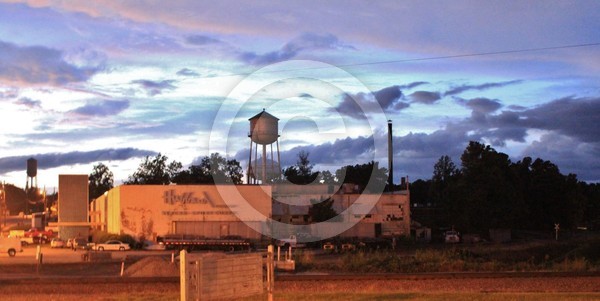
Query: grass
[[394, 296], [573, 256], [344, 297]]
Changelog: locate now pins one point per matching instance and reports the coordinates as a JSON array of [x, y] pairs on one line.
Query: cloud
[[571, 139], [187, 72], [335, 153], [425, 97], [303, 43], [359, 104], [102, 108], [28, 102], [483, 105], [463, 88], [412, 85], [387, 96], [38, 65], [573, 117], [201, 40], [155, 87], [569, 154], [52, 160]]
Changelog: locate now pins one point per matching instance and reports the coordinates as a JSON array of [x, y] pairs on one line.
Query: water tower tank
[[264, 128], [31, 167]]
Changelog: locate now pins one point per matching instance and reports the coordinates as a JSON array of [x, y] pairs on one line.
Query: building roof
[[263, 114]]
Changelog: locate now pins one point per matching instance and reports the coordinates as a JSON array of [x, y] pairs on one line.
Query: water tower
[[31, 188], [264, 129], [31, 174]]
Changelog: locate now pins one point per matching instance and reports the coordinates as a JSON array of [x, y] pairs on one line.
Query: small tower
[[31, 187], [264, 129]]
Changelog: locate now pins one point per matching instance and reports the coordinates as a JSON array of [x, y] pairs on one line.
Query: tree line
[[488, 190], [216, 169], [159, 171]]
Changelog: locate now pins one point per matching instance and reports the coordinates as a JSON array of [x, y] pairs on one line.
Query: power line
[[420, 59]]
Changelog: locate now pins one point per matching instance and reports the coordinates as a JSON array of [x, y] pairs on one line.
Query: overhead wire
[[414, 59]]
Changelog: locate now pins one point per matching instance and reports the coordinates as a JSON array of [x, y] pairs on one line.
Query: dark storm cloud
[[425, 97], [155, 87], [327, 153], [516, 108], [52, 160], [187, 72], [202, 40], [38, 65], [357, 105], [483, 105], [102, 108], [463, 88], [569, 154], [305, 42], [28, 102], [387, 96], [574, 117], [412, 85], [414, 154], [572, 140]]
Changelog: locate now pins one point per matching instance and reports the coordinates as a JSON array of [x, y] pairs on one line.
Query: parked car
[[57, 243], [112, 245], [451, 237], [35, 232], [25, 241], [79, 243]]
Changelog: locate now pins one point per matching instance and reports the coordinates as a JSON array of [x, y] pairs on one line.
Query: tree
[[552, 197], [444, 173], [321, 211], [155, 171], [367, 176], [214, 169], [100, 180], [486, 195], [301, 173]]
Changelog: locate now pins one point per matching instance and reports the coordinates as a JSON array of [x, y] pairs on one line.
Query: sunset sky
[[83, 82]]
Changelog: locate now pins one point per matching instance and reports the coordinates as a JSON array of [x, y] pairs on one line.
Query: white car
[[112, 245], [57, 243]]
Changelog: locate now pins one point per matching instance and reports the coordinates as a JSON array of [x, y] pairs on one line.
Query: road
[[65, 255]]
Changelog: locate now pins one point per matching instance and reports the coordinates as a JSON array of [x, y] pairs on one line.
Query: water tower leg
[[249, 165], [264, 165]]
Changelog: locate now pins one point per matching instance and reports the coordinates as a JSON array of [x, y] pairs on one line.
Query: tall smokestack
[[390, 157]]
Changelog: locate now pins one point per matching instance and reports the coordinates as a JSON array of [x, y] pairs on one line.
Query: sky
[[88, 82]]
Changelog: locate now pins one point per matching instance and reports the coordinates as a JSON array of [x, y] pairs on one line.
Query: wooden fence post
[[270, 272], [183, 281]]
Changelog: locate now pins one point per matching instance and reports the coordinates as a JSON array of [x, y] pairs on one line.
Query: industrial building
[[247, 211], [215, 211], [253, 210]]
